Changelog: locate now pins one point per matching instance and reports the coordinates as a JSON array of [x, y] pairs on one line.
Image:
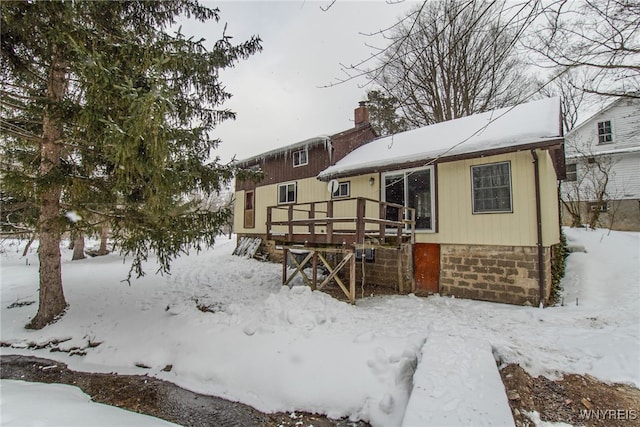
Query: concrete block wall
[[384, 271], [507, 274]]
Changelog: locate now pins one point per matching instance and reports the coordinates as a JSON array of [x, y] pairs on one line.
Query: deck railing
[[341, 221]]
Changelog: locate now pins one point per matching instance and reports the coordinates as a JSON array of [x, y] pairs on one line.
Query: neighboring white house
[[602, 187]]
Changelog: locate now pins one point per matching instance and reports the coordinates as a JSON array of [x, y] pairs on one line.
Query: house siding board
[[625, 183], [550, 206], [622, 155], [279, 168], [458, 224], [346, 142]]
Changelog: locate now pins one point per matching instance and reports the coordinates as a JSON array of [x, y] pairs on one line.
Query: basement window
[[491, 188], [601, 207]]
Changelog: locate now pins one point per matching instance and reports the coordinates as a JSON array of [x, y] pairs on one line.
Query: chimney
[[361, 114]]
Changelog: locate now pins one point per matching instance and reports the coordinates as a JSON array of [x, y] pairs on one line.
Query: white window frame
[[298, 159], [432, 183], [343, 190], [605, 137], [473, 189], [295, 193]]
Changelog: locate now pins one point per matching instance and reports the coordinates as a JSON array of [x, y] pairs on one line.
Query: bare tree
[[586, 194], [454, 59], [567, 86], [600, 37]]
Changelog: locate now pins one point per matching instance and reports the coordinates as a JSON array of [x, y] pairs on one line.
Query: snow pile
[[63, 405], [228, 328]]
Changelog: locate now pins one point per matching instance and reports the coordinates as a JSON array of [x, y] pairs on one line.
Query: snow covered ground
[[281, 349]]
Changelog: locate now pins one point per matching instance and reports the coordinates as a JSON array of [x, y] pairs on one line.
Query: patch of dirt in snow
[[579, 400], [161, 399]]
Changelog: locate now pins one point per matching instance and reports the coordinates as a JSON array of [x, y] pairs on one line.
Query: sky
[[280, 95]]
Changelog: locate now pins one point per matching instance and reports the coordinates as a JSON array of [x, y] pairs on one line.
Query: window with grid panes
[[491, 188]]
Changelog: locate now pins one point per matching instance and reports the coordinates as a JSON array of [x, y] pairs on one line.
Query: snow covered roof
[[307, 143], [504, 129]]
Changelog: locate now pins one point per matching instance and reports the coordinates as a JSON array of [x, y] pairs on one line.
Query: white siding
[[624, 182], [624, 115], [622, 155]]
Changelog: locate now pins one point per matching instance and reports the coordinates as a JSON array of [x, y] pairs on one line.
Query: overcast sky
[[278, 94]]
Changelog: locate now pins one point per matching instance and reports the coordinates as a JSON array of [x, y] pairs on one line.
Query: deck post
[[285, 252], [400, 226], [360, 211], [312, 227], [314, 266], [352, 277], [269, 220], [382, 214], [330, 221], [290, 220], [400, 276]]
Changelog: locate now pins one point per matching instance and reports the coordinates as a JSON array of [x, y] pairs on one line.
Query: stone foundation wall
[[384, 271], [623, 215], [507, 274]]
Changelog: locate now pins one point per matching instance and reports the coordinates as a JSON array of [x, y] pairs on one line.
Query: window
[[491, 187], [605, 136], [572, 172], [413, 189], [287, 193], [341, 191], [300, 158], [248, 200], [601, 206], [249, 212], [369, 255]]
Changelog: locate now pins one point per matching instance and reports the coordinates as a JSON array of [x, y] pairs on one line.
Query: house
[[602, 187], [467, 208]]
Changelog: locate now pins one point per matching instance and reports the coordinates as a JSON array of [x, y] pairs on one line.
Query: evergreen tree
[[383, 113], [106, 115]]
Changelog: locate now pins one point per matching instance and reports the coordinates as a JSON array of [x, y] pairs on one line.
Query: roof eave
[[546, 144]]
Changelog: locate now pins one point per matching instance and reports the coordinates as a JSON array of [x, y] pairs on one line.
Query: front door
[[426, 266]]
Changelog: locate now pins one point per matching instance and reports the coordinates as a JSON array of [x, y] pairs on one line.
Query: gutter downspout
[[541, 273]]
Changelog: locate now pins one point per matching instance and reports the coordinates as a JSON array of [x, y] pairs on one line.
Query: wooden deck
[[338, 227], [341, 222]]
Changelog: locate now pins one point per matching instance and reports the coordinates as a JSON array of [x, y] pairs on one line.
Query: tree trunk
[[51, 296], [78, 246], [104, 235]]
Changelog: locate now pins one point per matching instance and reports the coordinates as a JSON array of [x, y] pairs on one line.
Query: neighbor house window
[[300, 157], [491, 187], [598, 206], [572, 172], [413, 189], [341, 191], [604, 132], [287, 193]]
